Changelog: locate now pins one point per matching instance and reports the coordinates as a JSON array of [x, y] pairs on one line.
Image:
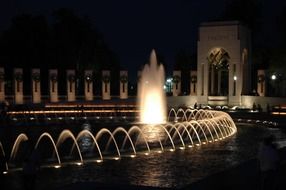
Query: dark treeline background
[[64, 41]]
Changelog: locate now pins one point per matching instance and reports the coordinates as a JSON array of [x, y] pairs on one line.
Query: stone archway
[[223, 64], [218, 60]]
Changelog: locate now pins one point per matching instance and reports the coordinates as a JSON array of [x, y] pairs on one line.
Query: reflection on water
[[153, 133], [85, 141], [168, 169]]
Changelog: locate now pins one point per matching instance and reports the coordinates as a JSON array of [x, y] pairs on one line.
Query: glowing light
[[204, 142], [172, 150], [132, 156], [169, 80], [159, 151], [79, 163], [152, 113], [116, 158], [5, 172], [146, 153], [99, 161], [273, 77], [234, 77], [190, 146], [57, 166], [210, 141], [151, 94], [182, 148], [198, 144]]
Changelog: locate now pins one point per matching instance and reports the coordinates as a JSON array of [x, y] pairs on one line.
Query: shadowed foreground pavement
[[246, 176]]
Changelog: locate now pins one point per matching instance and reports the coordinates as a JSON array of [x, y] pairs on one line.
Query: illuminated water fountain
[[152, 98], [156, 133]]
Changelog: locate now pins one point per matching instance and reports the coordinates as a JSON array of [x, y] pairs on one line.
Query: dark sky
[[132, 28]]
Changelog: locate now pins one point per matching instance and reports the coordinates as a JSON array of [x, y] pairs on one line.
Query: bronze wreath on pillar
[[19, 78], [194, 79], [123, 78], [53, 78], [261, 78], [36, 79], [88, 79], [176, 79]]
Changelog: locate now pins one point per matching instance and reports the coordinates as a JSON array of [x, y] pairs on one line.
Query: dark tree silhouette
[[68, 42]]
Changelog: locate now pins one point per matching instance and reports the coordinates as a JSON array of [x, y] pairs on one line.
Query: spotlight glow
[[99, 161], [152, 99]]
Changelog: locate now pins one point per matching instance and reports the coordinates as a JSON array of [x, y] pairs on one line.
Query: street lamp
[[169, 84]]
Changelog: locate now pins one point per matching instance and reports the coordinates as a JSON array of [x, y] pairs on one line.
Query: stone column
[[123, 84], [261, 87], [2, 85], [18, 86], [193, 87], [71, 85], [36, 86], [88, 85], [106, 85], [53, 78], [219, 82], [212, 83], [176, 83]]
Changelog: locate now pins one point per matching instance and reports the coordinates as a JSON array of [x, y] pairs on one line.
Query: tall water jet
[[152, 98]]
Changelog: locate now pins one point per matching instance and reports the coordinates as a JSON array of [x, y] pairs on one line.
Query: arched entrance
[[223, 65], [218, 60]]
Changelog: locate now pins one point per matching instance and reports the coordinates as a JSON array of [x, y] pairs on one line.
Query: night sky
[[132, 28]]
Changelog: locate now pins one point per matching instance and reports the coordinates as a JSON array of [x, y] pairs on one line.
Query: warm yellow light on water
[[116, 158], [132, 156], [99, 161]]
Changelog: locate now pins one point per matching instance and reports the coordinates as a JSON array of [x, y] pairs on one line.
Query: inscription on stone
[[221, 37]]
